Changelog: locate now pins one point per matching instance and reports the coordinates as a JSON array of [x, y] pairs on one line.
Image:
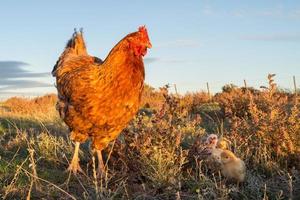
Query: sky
[[194, 42]]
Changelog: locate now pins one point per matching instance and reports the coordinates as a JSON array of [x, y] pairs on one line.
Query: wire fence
[[287, 82]]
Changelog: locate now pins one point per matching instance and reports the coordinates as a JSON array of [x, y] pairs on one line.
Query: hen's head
[[139, 42]]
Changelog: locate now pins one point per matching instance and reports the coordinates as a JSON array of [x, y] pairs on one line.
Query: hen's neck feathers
[[122, 56], [123, 47]]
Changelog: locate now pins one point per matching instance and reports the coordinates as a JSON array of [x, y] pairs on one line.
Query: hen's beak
[[149, 45]]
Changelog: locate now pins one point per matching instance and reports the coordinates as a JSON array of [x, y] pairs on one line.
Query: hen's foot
[[74, 165], [101, 172]]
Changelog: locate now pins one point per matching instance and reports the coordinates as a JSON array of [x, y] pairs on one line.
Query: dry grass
[[155, 156]]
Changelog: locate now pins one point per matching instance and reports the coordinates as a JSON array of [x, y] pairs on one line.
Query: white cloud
[[273, 37], [272, 12], [275, 12], [295, 13], [179, 44], [238, 13], [168, 60], [207, 10]]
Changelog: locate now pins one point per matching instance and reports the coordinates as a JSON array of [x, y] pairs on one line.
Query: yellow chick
[[223, 144], [232, 167]]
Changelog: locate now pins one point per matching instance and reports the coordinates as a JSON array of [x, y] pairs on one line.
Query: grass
[[155, 156]]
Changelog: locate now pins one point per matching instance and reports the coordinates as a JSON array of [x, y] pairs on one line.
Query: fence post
[[208, 91], [295, 85], [245, 84], [176, 89], [295, 88]]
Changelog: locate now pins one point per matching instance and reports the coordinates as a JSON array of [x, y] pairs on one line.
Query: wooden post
[[295, 87], [208, 91], [245, 84], [176, 89]]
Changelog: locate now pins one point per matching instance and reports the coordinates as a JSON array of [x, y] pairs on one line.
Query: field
[[155, 157]]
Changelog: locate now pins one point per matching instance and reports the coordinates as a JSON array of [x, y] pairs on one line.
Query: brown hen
[[98, 98]]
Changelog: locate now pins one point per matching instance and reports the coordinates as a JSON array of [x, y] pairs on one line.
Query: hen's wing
[[84, 89], [71, 86]]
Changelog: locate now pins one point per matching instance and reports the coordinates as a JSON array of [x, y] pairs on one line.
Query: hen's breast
[[119, 102]]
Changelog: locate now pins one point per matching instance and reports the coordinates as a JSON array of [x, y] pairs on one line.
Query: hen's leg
[[101, 167], [74, 165]]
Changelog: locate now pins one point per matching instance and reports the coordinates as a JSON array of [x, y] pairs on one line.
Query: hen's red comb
[[144, 36]]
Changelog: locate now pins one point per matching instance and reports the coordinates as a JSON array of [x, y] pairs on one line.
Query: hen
[[96, 98]]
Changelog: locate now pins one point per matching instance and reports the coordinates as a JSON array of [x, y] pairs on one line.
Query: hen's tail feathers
[[76, 43], [75, 47]]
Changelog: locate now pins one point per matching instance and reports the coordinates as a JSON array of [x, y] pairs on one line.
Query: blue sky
[[194, 41]]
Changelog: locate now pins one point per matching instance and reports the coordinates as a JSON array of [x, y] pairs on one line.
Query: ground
[[154, 157]]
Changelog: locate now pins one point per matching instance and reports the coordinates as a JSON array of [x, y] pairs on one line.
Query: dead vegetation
[[156, 157]]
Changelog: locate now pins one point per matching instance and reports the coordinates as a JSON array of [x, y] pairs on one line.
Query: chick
[[202, 149], [208, 152], [211, 141], [213, 161], [232, 167], [223, 144], [213, 154]]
